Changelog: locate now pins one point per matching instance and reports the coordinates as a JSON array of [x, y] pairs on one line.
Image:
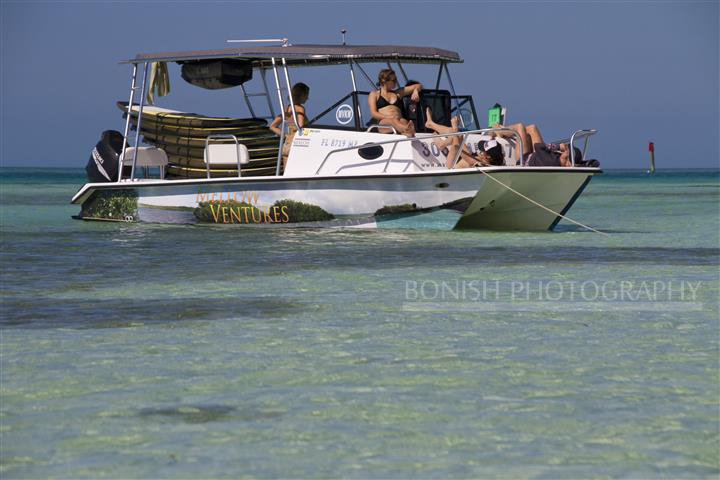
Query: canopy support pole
[[282, 116], [402, 70], [452, 89], [267, 93], [373, 86], [440, 70], [358, 121], [133, 82], [247, 100], [292, 101], [139, 122]]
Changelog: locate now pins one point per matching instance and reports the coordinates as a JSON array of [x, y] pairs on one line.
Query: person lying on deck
[[386, 105], [536, 152], [489, 153]]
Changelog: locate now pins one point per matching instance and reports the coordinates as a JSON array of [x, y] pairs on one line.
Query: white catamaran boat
[[340, 170]]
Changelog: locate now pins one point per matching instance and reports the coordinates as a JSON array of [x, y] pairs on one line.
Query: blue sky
[[636, 71]]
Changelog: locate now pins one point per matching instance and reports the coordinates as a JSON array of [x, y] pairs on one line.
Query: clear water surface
[[151, 351]]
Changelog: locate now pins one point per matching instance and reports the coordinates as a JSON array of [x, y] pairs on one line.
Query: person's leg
[[450, 157], [429, 123], [401, 126], [565, 155], [453, 146], [451, 143], [468, 160], [409, 130], [452, 152], [464, 160], [390, 121], [534, 133], [526, 139], [286, 149], [443, 142]]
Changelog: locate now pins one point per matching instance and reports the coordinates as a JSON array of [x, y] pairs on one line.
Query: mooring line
[[543, 206]]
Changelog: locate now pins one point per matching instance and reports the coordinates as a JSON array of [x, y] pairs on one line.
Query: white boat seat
[[147, 157], [226, 154]]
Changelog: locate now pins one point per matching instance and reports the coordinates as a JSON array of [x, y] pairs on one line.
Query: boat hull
[[495, 207], [479, 201]]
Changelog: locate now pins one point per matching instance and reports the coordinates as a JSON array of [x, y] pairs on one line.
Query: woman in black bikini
[[386, 106]]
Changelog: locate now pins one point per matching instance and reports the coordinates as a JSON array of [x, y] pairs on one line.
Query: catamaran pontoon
[[339, 171]]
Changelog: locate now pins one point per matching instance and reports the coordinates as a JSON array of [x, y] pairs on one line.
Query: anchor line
[[543, 206]]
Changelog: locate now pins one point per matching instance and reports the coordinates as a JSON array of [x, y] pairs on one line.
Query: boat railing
[[463, 135], [578, 135], [378, 127]]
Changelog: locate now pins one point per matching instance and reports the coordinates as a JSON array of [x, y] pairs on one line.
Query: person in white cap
[[489, 153]]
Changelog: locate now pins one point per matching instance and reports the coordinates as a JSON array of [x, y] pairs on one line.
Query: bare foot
[[429, 121], [565, 155], [410, 131]]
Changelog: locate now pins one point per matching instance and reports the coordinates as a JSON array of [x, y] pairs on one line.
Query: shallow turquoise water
[[148, 351]]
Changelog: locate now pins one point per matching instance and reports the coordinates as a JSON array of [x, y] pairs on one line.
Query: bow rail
[[577, 135], [396, 141]]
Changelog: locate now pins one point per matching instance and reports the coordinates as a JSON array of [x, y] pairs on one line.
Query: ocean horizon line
[[605, 169]]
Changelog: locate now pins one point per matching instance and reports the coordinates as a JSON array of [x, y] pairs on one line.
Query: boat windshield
[[343, 113]]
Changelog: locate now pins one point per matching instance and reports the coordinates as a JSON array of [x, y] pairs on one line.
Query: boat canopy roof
[[310, 55]]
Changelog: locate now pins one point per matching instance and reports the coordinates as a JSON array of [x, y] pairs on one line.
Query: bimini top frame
[[310, 55], [266, 57]]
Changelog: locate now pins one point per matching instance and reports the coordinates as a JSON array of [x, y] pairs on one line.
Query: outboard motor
[[105, 157]]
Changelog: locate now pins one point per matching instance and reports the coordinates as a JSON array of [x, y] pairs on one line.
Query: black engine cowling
[[105, 157]]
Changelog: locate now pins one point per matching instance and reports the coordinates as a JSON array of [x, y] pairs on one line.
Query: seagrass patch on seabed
[[118, 204]]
